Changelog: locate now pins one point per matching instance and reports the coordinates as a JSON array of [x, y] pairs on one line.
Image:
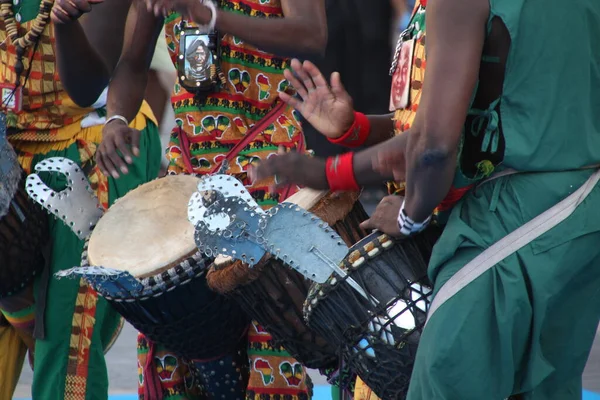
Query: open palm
[[328, 109]]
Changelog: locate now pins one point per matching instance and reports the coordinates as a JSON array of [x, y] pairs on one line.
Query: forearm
[[82, 71], [382, 129], [364, 172], [429, 176], [126, 91], [288, 36]]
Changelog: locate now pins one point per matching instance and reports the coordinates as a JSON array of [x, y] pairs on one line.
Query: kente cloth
[[12, 356], [69, 362], [49, 115], [176, 375]]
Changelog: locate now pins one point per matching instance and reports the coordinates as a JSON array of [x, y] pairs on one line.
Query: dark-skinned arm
[[128, 85], [455, 38], [382, 129], [87, 49], [302, 32]]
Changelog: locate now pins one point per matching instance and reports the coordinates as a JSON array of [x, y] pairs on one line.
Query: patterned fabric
[[48, 112], [273, 372], [23, 319], [177, 379], [215, 124]]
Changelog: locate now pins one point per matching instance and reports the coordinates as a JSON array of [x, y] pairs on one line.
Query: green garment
[[526, 325], [51, 354]]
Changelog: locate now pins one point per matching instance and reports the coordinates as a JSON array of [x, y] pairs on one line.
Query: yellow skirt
[[12, 355]]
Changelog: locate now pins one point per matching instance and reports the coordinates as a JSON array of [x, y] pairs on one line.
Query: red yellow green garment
[[213, 125]]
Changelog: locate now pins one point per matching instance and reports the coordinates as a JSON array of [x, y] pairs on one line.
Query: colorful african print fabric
[[48, 112], [176, 376], [213, 125]]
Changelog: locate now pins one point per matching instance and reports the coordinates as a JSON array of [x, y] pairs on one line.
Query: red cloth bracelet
[[340, 173], [358, 133]]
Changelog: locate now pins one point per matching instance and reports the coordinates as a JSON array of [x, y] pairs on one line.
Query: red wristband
[[340, 173], [358, 133]]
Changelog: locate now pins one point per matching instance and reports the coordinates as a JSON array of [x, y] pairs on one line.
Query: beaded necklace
[[30, 37]]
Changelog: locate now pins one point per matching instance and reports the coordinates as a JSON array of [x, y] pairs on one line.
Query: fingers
[[104, 159], [294, 81], [123, 147], [303, 75], [60, 16], [291, 101], [315, 75], [134, 136], [337, 87], [367, 225]]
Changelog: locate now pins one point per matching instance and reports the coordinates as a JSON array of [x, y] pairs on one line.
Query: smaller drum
[[23, 225], [147, 234], [273, 294], [378, 336]]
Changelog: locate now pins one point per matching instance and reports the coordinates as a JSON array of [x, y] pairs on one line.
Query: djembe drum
[[273, 294], [377, 334], [147, 234]]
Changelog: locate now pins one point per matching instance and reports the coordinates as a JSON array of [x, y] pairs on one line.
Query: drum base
[[191, 320]]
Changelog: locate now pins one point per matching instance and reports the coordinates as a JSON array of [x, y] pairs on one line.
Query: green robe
[[526, 326]]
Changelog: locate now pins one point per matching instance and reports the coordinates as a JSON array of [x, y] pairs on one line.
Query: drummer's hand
[[117, 137], [67, 11], [292, 168], [328, 109], [390, 159], [385, 217]]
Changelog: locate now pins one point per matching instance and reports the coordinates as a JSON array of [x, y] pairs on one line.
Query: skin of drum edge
[[344, 327]]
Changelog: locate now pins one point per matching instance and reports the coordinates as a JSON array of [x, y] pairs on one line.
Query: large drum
[[147, 235], [23, 225], [377, 334], [273, 294]]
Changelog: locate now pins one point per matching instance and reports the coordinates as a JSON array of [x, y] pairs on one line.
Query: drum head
[[147, 230]]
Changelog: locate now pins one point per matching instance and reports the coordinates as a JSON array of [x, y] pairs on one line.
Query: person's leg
[[79, 324], [526, 326], [471, 346], [12, 355], [19, 311]]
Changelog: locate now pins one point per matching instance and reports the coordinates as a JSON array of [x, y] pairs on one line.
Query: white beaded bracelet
[[213, 16], [117, 117]]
